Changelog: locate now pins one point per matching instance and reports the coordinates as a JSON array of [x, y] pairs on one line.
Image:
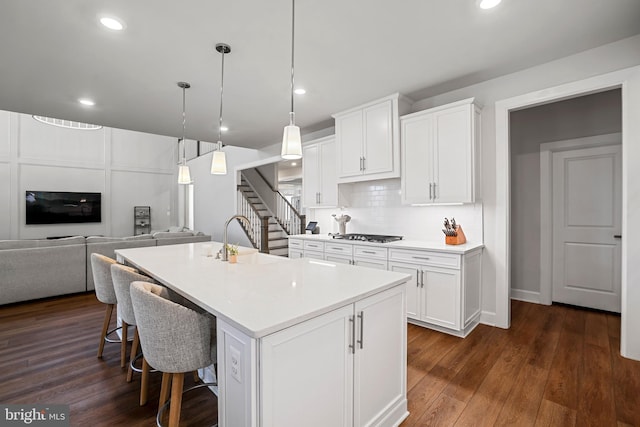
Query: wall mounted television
[[62, 207]]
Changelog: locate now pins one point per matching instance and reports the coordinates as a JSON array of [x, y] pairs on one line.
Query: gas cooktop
[[377, 238]]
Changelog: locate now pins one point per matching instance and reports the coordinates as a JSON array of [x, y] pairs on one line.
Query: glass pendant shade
[[291, 143], [219, 163], [184, 176]]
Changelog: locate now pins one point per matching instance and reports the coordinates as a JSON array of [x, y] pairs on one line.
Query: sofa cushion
[[18, 244], [100, 239], [170, 235], [66, 241]]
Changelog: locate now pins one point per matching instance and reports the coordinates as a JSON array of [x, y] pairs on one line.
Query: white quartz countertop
[[260, 294], [399, 244]]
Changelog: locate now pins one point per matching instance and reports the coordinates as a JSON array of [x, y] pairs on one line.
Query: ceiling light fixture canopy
[[291, 140], [184, 175], [219, 159]]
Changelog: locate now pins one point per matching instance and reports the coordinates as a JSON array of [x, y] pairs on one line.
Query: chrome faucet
[[225, 252]]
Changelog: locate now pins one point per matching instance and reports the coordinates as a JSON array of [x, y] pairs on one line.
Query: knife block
[[458, 239]]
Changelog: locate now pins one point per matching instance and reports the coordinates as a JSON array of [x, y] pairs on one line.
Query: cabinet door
[[441, 302], [349, 135], [328, 175], [295, 253], [338, 259], [417, 159], [380, 357], [453, 154], [371, 263], [414, 294], [307, 373], [378, 138], [310, 175]]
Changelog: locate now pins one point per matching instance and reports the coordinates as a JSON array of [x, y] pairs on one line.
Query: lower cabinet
[[444, 290], [352, 359]]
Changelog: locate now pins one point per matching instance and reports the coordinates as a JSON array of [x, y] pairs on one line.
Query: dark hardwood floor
[[556, 366]]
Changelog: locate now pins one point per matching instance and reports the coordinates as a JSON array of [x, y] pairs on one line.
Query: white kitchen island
[[300, 342]]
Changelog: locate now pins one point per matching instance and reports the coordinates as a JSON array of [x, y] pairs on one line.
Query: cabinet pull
[[352, 345], [435, 196], [421, 257], [364, 164], [430, 191], [417, 277], [361, 317], [422, 278], [369, 252]]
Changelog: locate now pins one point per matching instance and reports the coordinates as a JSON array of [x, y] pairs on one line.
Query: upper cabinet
[[439, 154], [368, 140], [319, 176]]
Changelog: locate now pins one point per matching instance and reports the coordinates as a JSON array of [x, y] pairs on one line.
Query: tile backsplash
[[375, 208]]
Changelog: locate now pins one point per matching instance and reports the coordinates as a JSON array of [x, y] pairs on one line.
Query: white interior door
[[586, 220]]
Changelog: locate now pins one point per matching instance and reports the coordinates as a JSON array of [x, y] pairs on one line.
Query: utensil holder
[[458, 239]]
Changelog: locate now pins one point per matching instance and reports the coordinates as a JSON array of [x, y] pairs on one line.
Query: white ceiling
[[347, 52]]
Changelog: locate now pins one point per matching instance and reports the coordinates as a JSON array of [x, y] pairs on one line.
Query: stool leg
[[123, 345], [196, 377], [144, 387], [177, 382], [164, 388], [105, 327], [132, 355]]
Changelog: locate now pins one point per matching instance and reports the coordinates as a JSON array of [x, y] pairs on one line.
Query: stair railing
[[291, 221], [259, 232]]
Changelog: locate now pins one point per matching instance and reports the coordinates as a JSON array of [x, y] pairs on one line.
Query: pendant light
[[291, 141], [219, 159], [184, 176]]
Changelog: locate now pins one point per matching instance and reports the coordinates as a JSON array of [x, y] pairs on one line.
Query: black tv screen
[[57, 207]]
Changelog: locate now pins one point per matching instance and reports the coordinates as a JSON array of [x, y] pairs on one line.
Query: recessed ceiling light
[[112, 23], [293, 163], [300, 91], [488, 4], [87, 102], [224, 128]]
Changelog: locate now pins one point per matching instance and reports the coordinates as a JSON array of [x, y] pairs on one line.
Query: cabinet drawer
[[313, 246], [370, 252], [296, 243], [437, 259], [338, 248], [314, 254]]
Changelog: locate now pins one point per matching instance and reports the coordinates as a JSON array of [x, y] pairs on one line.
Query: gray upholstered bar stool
[[175, 340], [123, 276], [101, 266]]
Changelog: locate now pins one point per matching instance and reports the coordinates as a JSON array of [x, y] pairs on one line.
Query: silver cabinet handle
[[361, 164], [435, 196], [361, 340], [422, 278], [364, 164], [430, 191], [421, 257], [417, 277], [352, 346], [319, 197], [369, 252]]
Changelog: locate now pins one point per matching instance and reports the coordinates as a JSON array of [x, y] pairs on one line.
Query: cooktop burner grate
[[377, 238]]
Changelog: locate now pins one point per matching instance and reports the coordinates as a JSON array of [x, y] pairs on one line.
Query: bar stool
[[175, 340], [101, 266], [123, 276]]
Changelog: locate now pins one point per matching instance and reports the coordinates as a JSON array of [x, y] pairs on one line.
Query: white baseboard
[[488, 318], [526, 296]]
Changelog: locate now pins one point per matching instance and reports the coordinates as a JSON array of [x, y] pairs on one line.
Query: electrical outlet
[[235, 363]]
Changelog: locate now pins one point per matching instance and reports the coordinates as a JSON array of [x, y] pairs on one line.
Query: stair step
[[279, 252]]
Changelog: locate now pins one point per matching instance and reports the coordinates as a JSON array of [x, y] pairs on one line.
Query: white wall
[[128, 168], [619, 55], [595, 114]]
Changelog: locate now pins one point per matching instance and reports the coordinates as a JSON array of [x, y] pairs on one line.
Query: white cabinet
[[355, 358], [444, 290], [368, 140], [439, 154], [299, 248], [364, 256], [319, 174]]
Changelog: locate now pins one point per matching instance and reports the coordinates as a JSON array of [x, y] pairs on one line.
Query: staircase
[[277, 241]]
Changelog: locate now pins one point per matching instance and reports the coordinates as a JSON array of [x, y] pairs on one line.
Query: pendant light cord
[[293, 28], [221, 95], [184, 126]]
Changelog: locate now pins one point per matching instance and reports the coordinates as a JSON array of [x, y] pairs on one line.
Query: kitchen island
[[300, 342]]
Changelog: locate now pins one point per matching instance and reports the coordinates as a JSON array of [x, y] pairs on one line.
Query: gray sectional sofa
[[32, 269]]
